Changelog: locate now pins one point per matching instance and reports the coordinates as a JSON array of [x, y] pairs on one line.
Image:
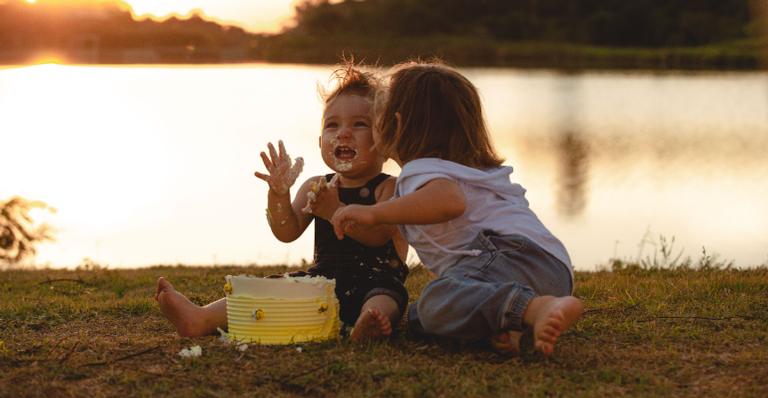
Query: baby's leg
[[550, 316], [377, 316], [189, 319]]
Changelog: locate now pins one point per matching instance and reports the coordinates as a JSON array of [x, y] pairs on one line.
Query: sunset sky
[[253, 15]]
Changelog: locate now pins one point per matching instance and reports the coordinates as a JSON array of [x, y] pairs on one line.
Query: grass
[[684, 330]]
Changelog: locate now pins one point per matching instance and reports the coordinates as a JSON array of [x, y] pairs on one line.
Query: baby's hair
[[440, 115], [351, 80]]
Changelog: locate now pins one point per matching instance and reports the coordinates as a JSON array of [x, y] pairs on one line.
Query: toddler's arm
[[439, 200], [286, 220]]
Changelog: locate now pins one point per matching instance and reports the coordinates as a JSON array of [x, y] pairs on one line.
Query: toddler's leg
[[377, 316], [469, 309], [550, 316], [189, 319]]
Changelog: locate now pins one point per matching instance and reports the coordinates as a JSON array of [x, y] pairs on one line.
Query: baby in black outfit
[[367, 264]]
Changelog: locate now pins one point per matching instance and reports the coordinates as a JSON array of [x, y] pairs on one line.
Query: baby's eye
[[362, 124], [330, 125]]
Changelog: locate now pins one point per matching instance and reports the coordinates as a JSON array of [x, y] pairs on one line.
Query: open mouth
[[344, 153]]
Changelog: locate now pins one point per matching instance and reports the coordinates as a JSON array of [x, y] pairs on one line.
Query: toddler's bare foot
[[507, 343], [183, 314], [371, 325], [550, 316]]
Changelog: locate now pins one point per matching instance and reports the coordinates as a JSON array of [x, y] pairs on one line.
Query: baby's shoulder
[[312, 181], [386, 189]]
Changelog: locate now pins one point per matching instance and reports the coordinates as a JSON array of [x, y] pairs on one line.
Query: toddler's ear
[[399, 124]]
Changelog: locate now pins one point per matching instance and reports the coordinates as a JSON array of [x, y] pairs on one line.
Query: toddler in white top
[[500, 272]]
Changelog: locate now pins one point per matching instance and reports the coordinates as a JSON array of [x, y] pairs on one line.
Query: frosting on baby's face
[[347, 138]]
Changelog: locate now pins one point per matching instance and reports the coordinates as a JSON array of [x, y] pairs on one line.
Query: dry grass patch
[[647, 332]]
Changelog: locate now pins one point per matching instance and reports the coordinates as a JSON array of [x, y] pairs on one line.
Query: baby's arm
[[285, 218], [439, 200]]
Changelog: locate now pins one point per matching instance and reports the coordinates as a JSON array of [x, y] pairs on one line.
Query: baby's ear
[[320, 141]]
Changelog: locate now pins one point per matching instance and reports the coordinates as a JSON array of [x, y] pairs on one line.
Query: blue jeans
[[484, 295]]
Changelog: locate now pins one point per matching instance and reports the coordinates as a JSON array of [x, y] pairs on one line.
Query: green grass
[[648, 331]]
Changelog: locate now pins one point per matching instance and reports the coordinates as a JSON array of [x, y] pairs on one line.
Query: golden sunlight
[[47, 59], [260, 16], [83, 172], [31, 1]]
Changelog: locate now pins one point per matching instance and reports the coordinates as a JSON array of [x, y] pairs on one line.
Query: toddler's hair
[[440, 115], [351, 80]]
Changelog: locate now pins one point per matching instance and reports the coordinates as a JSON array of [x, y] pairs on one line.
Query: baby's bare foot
[[551, 316], [181, 312], [371, 325], [507, 343]]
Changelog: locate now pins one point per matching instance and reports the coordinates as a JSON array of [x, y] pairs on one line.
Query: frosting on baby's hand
[[283, 172]]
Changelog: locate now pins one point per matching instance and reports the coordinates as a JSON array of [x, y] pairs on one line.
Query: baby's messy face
[[347, 137]]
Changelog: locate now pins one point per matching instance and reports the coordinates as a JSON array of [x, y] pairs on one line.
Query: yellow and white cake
[[281, 310]]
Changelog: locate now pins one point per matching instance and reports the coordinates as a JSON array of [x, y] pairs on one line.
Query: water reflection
[[144, 169], [574, 154], [572, 149]]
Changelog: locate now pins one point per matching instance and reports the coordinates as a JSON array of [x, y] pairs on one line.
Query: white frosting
[[304, 287], [281, 310]]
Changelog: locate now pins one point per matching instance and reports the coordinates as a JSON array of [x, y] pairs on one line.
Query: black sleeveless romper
[[360, 271]]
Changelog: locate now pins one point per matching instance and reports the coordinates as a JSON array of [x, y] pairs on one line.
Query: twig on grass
[[624, 309], [124, 357], [286, 381], [156, 374], [700, 318], [78, 280], [69, 352], [312, 370], [58, 343]]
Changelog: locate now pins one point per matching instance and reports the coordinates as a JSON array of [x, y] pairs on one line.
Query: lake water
[[154, 165]]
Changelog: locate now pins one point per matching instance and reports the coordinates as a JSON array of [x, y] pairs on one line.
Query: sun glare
[[47, 59], [265, 15], [256, 16]]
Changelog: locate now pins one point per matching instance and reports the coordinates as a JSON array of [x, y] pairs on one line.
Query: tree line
[[657, 34], [108, 26], [623, 23]]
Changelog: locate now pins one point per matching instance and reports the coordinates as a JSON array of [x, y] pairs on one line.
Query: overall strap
[[375, 181], [371, 184]]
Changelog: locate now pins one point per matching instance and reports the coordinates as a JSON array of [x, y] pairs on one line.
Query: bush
[[18, 232]]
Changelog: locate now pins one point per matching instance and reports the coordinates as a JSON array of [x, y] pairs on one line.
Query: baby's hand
[[350, 217], [282, 171], [323, 199]]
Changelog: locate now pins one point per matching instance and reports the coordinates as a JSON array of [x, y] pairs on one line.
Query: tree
[[18, 231]]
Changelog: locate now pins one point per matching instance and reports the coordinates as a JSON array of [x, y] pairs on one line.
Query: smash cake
[[281, 310]]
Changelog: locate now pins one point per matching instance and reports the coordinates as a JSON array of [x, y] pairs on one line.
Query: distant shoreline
[[465, 51], [462, 52]]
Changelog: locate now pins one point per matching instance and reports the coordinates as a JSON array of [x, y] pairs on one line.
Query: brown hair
[[440, 116], [351, 80]]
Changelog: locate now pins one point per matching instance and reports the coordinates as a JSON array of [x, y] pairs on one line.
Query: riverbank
[[646, 331], [459, 51], [468, 51]]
